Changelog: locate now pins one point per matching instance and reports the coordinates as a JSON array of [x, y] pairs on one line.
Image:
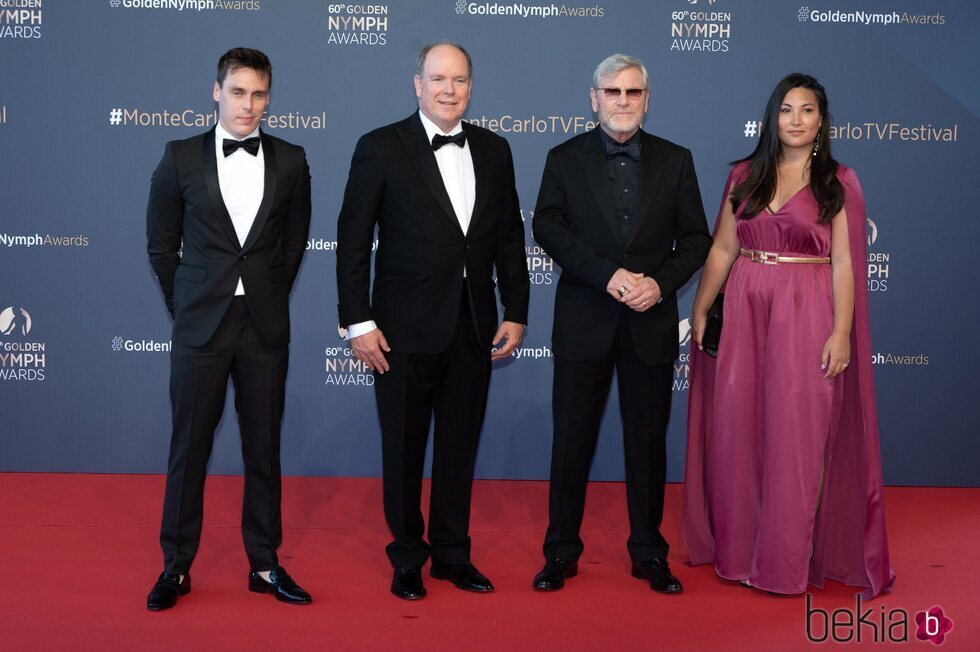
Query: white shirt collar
[[431, 129], [220, 134]]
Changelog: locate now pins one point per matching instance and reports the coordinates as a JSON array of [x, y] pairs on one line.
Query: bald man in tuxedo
[[441, 194]]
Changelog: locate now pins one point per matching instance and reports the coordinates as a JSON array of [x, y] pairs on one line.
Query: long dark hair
[[759, 186]]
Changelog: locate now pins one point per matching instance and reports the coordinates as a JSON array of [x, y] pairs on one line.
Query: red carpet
[[82, 553]]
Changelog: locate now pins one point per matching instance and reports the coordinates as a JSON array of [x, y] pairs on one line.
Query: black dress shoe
[[281, 585], [164, 593], [658, 573], [407, 583], [463, 574], [552, 576]]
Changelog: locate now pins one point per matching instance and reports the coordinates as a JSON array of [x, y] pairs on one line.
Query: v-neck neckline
[[791, 198]]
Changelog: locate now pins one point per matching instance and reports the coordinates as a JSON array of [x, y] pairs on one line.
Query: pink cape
[[849, 540]]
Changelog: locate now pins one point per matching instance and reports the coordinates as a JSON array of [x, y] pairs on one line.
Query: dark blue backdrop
[[90, 92]]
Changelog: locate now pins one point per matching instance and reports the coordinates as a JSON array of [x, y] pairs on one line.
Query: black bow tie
[[250, 145], [629, 150], [439, 140]]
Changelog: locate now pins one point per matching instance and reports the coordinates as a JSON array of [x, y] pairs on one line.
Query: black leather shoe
[[658, 573], [463, 574], [165, 592], [407, 583], [281, 585], [552, 577]]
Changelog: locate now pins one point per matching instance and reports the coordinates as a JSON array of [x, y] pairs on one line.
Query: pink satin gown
[[783, 478], [766, 462]]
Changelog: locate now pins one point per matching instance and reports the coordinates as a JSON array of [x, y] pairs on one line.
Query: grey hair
[[424, 52], [617, 63]]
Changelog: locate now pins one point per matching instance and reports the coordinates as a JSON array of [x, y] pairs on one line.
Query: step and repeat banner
[[91, 90]]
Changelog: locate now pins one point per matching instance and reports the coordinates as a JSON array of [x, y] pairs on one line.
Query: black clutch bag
[[712, 329]]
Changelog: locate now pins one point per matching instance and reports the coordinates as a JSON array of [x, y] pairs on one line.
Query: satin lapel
[[651, 176], [481, 166], [420, 152], [214, 188], [268, 194], [593, 160]]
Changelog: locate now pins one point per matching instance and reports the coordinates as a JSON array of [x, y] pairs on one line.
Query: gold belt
[[773, 258]]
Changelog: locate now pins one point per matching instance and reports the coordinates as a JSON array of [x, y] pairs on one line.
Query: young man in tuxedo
[[441, 194], [619, 209], [226, 224]]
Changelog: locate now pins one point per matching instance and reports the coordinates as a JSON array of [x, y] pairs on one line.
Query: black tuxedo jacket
[[575, 222], [195, 252], [395, 184]]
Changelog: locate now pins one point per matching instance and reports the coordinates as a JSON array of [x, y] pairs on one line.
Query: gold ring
[[622, 290]]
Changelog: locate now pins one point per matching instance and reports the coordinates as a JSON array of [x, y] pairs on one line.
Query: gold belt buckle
[[765, 257]]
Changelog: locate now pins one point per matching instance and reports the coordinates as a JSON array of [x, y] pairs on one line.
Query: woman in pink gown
[[783, 479]]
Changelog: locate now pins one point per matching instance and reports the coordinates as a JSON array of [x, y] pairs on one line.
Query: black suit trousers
[[580, 392], [453, 386], [198, 385]]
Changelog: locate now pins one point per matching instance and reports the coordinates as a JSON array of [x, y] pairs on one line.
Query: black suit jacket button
[[241, 257]]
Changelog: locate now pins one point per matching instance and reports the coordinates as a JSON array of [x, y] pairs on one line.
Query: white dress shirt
[[456, 168], [241, 178]]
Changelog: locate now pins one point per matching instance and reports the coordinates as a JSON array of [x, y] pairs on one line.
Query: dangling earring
[[816, 143]]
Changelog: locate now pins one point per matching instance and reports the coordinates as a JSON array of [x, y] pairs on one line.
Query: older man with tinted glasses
[[620, 211]]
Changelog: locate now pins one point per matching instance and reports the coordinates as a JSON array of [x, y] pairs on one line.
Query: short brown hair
[[236, 58]]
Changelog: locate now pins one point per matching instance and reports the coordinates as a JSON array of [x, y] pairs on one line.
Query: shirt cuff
[[360, 328]]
